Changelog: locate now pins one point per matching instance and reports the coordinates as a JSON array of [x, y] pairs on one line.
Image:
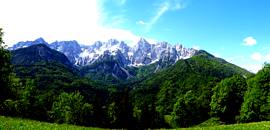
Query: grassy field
[[8, 123], [264, 125]]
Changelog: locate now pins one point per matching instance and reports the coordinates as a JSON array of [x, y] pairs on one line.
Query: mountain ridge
[[143, 53], [115, 61]]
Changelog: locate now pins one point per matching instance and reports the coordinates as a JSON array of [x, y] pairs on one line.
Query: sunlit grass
[[264, 125], [8, 123]]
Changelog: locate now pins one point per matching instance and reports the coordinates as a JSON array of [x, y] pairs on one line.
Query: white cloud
[[246, 63], [253, 63], [257, 56], [249, 41], [162, 9], [61, 19], [253, 67], [167, 5], [83, 20]]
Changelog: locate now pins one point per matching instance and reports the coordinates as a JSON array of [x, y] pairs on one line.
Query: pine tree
[[5, 70]]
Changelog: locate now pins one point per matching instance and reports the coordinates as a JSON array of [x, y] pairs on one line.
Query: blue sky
[[236, 30]]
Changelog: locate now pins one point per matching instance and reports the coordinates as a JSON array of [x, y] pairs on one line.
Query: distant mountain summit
[[143, 53], [71, 49], [28, 43]]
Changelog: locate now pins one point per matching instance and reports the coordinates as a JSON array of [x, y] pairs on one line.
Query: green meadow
[[8, 123]]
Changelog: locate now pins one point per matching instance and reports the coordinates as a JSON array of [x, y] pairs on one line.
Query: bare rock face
[[71, 49]]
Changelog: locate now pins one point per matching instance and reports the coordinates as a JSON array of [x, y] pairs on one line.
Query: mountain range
[[143, 53], [110, 61]]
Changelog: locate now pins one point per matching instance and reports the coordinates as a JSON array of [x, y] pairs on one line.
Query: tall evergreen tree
[[5, 69]]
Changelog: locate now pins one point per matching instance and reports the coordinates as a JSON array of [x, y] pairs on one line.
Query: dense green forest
[[185, 94]]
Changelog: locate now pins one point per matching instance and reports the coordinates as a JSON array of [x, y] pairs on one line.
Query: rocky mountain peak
[[40, 41], [112, 42], [97, 44], [24, 44], [71, 49]]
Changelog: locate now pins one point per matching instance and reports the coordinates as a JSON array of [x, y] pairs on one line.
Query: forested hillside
[[180, 95]]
